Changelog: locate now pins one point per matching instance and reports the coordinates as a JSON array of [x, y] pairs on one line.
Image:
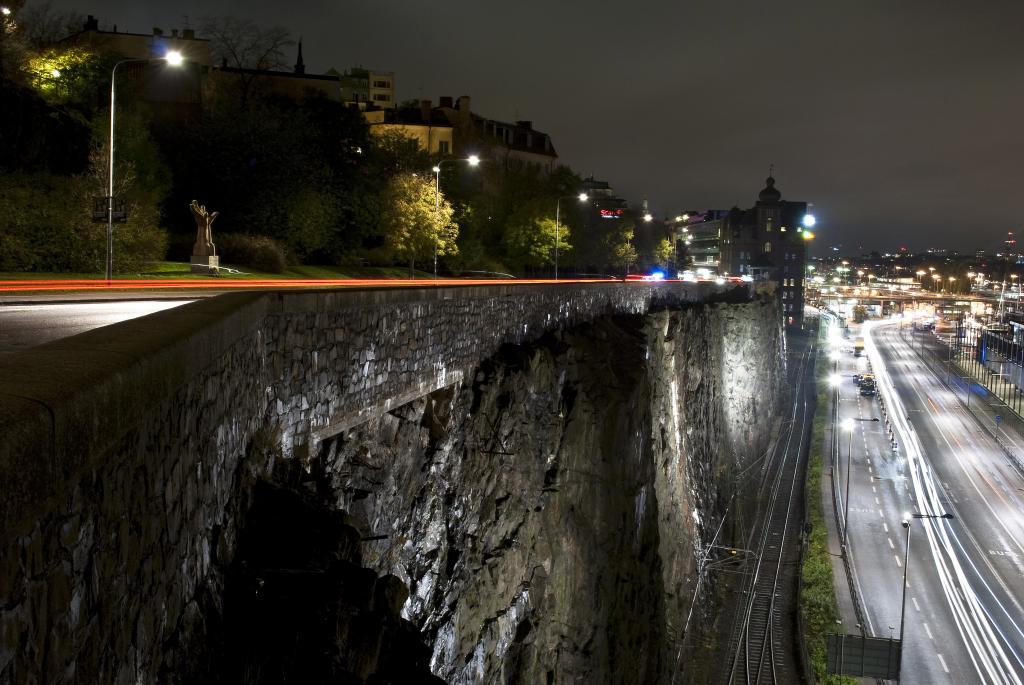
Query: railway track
[[763, 638]]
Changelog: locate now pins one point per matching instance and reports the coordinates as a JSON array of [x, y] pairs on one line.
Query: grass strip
[[818, 606]]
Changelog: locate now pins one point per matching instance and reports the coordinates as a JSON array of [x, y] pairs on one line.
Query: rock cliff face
[[546, 514], [311, 487]]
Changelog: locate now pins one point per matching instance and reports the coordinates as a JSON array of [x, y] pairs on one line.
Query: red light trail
[[86, 285]]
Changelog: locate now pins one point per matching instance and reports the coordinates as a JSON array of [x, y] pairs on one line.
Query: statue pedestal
[[205, 264]]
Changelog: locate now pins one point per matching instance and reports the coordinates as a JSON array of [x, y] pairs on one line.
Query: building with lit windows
[[769, 242]]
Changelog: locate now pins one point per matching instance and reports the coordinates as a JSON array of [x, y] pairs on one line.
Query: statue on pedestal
[[204, 252]]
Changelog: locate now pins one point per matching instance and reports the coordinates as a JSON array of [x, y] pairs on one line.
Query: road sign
[[101, 207], [863, 657]]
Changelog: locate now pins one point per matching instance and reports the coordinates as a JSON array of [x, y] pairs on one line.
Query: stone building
[[141, 45], [367, 88], [513, 145], [425, 124], [768, 241]]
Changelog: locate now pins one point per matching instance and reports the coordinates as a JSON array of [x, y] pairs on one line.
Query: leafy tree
[[530, 242], [412, 227], [663, 253], [618, 248]]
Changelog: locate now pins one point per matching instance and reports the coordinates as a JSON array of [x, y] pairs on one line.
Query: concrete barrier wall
[[123, 450]]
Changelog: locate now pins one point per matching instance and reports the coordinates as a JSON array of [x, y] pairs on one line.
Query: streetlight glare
[[809, 220], [584, 197], [848, 424], [174, 58], [834, 380], [648, 217], [473, 160], [436, 170], [6, 11]]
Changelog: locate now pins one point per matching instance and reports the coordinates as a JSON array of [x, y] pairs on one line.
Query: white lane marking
[[943, 662], [929, 631], [873, 489], [916, 605], [898, 563], [880, 514], [886, 526], [892, 546], [876, 501]]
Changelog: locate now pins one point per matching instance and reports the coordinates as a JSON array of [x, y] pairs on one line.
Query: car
[[857, 377], [868, 390]]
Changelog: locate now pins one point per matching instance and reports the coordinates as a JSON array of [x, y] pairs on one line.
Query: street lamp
[[472, 160], [906, 566], [648, 217], [848, 426], [172, 58], [582, 197]]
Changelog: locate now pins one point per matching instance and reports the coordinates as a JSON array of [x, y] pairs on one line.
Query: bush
[[255, 251], [46, 227]]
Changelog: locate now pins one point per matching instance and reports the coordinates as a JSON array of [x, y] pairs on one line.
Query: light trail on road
[[986, 644], [44, 285]]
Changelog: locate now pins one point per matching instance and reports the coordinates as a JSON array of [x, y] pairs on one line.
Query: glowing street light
[[582, 197], [6, 11], [907, 518], [834, 380], [809, 221], [172, 58], [648, 217], [472, 160]]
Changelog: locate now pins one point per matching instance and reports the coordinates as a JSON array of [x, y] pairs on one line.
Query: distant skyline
[[901, 123]]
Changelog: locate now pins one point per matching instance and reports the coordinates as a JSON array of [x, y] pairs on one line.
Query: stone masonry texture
[[537, 467]]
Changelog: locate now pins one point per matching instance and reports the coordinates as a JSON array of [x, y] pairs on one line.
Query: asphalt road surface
[[964, 616], [25, 326]]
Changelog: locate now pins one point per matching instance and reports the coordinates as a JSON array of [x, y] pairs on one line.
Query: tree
[[411, 225], [241, 43], [530, 242], [43, 26]]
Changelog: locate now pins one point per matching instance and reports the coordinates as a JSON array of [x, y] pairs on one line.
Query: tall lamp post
[[172, 58], [472, 160], [582, 197], [848, 426], [906, 566]]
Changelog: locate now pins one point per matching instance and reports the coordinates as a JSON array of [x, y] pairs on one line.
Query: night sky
[[902, 121]]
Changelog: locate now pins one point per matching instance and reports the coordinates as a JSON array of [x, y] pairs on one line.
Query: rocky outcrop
[[547, 514], [541, 487]]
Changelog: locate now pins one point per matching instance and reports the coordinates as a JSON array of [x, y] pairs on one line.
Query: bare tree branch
[[241, 43]]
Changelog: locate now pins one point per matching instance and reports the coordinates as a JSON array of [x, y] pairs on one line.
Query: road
[[24, 326], [965, 591]]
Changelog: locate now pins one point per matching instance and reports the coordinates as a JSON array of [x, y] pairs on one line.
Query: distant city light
[[808, 235], [809, 220], [55, 73], [648, 217], [584, 197], [473, 160]]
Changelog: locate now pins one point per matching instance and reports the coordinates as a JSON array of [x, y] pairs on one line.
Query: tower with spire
[[300, 66]]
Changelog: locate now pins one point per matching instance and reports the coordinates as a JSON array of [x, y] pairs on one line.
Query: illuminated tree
[[411, 226], [530, 241]]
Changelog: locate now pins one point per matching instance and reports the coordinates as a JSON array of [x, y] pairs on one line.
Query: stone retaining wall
[[124, 450]]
